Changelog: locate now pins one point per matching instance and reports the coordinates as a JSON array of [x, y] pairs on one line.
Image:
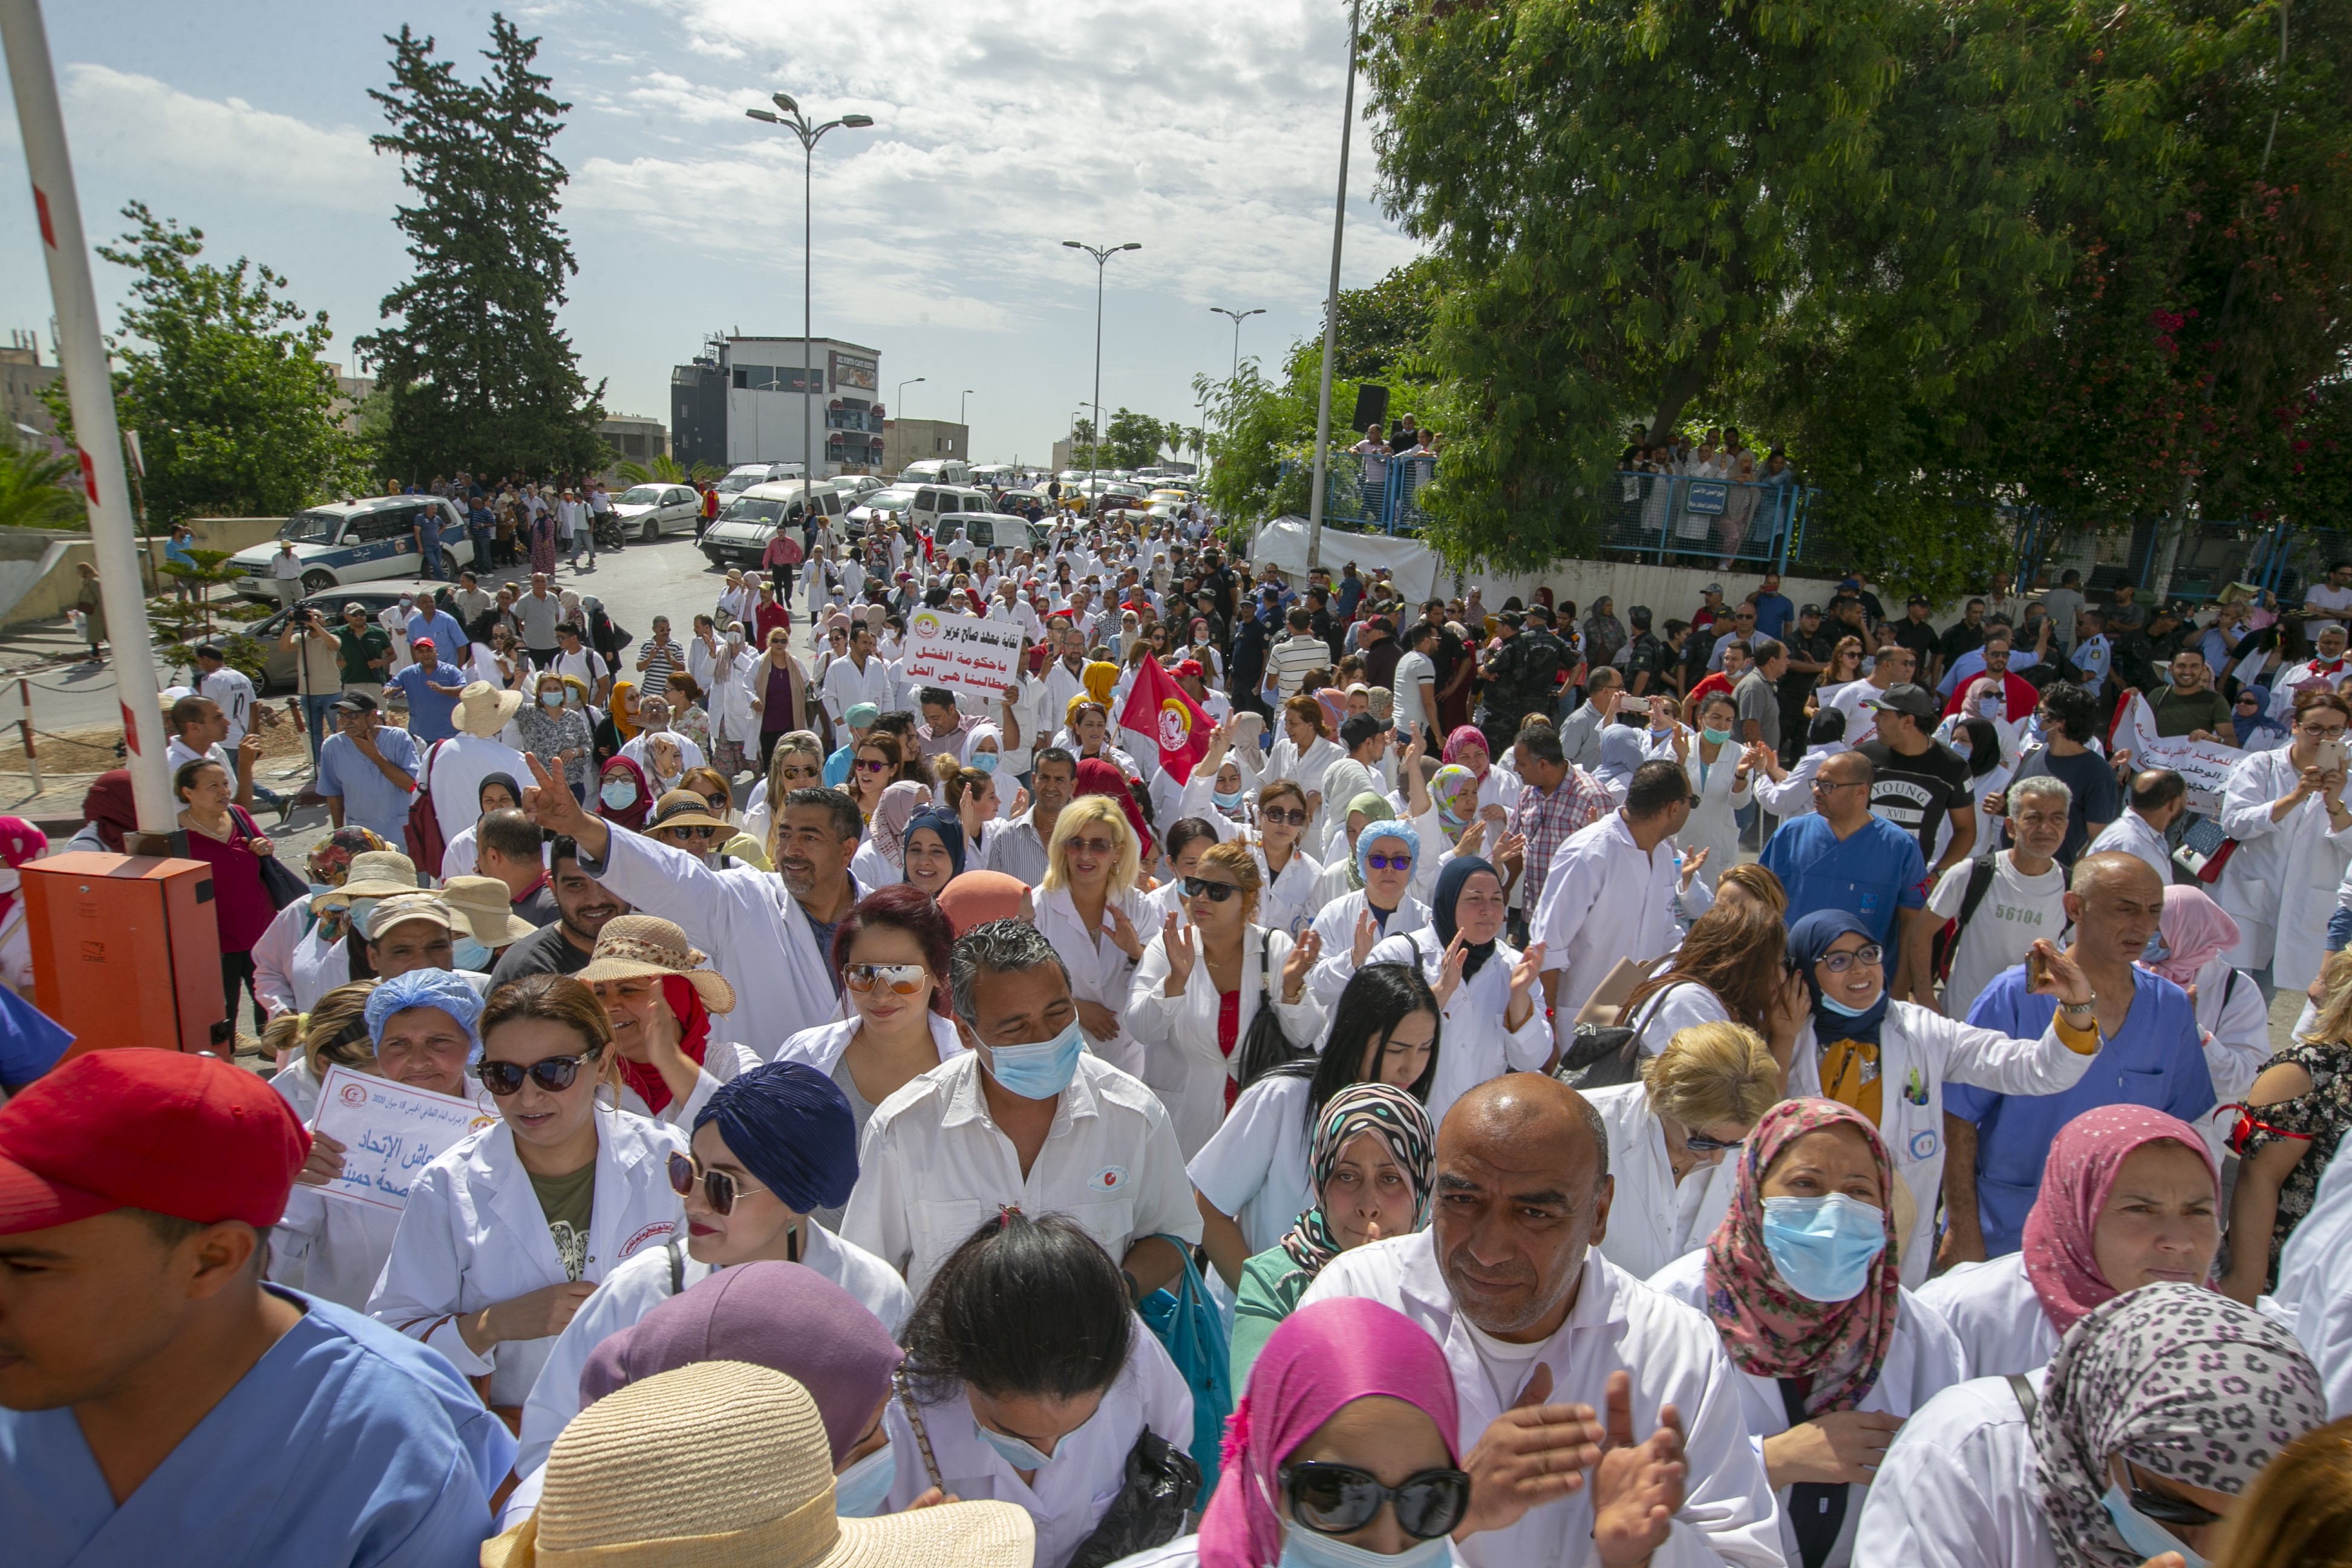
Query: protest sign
[[389, 1132], [2203, 765], [963, 653]]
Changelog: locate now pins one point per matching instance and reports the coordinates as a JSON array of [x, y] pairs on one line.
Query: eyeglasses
[[1215, 892], [2324, 731], [1292, 816], [1092, 845], [554, 1074], [865, 766], [719, 1190], [905, 979], [1388, 862], [690, 830], [1823, 786], [1868, 956], [1335, 1499]]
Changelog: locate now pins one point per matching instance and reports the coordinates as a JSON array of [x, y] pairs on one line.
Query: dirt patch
[[95, 748]]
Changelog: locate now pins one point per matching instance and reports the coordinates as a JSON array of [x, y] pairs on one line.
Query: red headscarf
[[2076, 1179], [109, 807], [1096, 777], [633, 818], [694, 1039]]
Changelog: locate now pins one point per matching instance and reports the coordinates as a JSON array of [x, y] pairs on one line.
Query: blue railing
[[1676, 519], [1387, 500]]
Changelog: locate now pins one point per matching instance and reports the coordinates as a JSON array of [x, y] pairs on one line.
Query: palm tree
[[663, 470], [37, 490]]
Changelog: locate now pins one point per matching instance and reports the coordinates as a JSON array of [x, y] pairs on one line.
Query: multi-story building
[[634, 439], [22, 377], [906, 441], [745, 400]]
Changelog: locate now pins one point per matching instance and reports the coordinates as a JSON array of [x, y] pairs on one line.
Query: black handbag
[[1600, 1056], [1263, 1049], [1154, 1496], [277, 880]]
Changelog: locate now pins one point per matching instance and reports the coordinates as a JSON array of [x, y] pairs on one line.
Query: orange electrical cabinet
[[126, 950]]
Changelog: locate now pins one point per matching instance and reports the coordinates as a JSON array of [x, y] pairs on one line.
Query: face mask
[[1226, 799], [1715, 737], [1657, 735], [861, 1490], [2143, 1535], [1823, 1247], [1038, 1071], [1304, 1548], [551, 699], [363, 911], [1013, 1451], [1841, 1009], [620, 795], [1960, 749], [317, 888], [983, 762], [467, 953]]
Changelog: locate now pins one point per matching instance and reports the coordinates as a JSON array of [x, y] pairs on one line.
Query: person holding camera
[[318, 672]]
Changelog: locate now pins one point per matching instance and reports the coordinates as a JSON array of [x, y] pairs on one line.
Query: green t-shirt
[[567, 1202], [359, 648], [1272, 1283], [2176, 714]]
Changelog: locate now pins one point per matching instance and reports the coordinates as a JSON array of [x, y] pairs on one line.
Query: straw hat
[[375, 874], [488, 909], [483, 710], [721, 1464], [684, 808], [633, 945]]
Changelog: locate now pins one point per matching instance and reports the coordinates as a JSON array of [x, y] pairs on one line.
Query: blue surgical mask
[[1715, 737], [983, 762], [467, 953], [862, 1490], [1226, 799], [1304, 1548], [2141, 1534], [1841, 1009], [1015, 1451], [1823, 1247], [1960, 749], [317, 888], [620, 795], [551, 699], [1038, 1071], [363, 911]]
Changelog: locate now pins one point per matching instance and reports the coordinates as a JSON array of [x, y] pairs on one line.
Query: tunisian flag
[[1157, 707]]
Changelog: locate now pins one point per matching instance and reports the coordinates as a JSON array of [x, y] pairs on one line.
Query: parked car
[[743, 475], [277, 669], [883, 505], [354, 542], [651, 511], [936, 471], [747, 522]]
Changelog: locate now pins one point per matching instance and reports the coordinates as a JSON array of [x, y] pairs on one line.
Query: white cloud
[[226, 143]]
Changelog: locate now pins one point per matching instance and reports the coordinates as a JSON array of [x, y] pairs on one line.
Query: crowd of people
[[1525, 1088]]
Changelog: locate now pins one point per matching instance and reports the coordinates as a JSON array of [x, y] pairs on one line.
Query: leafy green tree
[[1382, 329], [478, 375], [220, 374], [37, 491], [1133, 441]]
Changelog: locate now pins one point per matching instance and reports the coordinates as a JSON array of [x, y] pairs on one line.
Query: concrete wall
[[38, 581]]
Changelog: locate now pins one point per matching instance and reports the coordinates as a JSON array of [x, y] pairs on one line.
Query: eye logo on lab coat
[[1922, 1145], [1109, 1179]]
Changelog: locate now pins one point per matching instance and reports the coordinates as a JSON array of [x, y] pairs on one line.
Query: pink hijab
[[1464, 737], [1321, 1357], [2194, 929], [2076, 1179]]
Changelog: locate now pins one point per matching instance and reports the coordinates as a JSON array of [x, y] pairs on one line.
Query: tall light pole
[[899, 402], [1331, 307], [1239, 317], [967, 391], [793, 120], [1102, 261]]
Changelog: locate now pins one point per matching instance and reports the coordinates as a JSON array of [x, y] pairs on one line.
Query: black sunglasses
[[554, 1074], [1218, 892], [1336, 1499], [2163, 1507]]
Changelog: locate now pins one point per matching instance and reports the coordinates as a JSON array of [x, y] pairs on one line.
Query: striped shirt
[[1545, 821], [1289, 660]]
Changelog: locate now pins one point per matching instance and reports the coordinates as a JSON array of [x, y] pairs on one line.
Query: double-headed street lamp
[[1239, 317], [789, 116], [1102, 261]]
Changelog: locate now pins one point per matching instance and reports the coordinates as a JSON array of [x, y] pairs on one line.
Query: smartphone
[[2331, 757], [2037, 968]]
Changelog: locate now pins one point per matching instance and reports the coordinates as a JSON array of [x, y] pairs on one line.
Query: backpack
[[1946, 942]]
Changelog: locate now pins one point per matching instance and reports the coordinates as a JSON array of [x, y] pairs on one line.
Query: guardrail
[[1679, 519]]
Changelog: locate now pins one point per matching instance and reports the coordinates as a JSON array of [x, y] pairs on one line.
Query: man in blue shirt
[[160, 1402], [432, 689], [1841, 856], [429, 620], [426, 530], [1773, 610], [2150, 1053], [367, 771]]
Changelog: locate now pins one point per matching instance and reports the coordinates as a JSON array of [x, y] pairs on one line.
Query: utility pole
[[1102, 259]]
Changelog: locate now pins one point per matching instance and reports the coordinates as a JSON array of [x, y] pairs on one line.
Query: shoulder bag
[[423, 833]]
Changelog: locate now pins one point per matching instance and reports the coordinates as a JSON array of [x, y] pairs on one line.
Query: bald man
[[2154, 803], [1609, 1418], [2150, 1053]]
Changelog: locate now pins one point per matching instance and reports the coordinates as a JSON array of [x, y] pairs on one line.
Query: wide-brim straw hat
[[721, 1464], [487, 910], [633, 945], [483, 710], [373, 874]]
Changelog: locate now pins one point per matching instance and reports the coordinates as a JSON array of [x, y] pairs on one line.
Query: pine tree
[[476, 374]]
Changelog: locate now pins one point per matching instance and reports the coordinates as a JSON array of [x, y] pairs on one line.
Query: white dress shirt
[[1604, 900], [1960, 1485], [933, 1166], [1617, 1324], [2130, 834], [1992, 1308], [845, 685]]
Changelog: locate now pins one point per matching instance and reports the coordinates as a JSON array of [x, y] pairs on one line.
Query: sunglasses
[[1335, 1499], [554, 1074], [1867, 955], [719, 1190], [1092, 845], [905, 979], [2166, 1509], [1215, 892], [1293, 816], [866, 767], [690, 830], [1388, 862], [1700, 1143]]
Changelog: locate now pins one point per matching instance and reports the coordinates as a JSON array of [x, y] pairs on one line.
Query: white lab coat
[[1178, 1035], [744, 918], [2234, 1028], [1712, 826], [822, 1047], [1604, 900], [727, 698], [645, 1282], [1992, 1309], [1473, 1046], [1288, 902], [1668, 1012], [1961, 1486], [724, 1061], [1067, 1496], [473, 1234], [1254, 1168], [1307, 769], [1652, 1220], [1673, 1355], [331, 1247], [2129, 834], [1793, 796], [1336, 925], [2280, 884], [292, 966], [1923, 1359], [1099, 971], [1919, 1053], [2314, 1298]]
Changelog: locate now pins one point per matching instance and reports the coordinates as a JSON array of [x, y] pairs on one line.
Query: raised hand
[[1636, 1486], [1530, 1455], [1123, 934], [1449, 969], [324, 1163], [1472, 838], [1511, 852], [2063, 978], [1525, 973], [1020, 799], [548, 802], [1177, 940], [1690, 868], [1362, 940], [1303, 954]]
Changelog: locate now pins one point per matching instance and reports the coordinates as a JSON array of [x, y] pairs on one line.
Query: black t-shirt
[[1919, 637], [1813, 647], [1917, 792], [543, 951], [1648, 656]]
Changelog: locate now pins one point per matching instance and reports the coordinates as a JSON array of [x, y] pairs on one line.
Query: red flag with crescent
[[1157, 707]]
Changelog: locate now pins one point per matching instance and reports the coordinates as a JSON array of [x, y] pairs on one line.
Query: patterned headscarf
[[2184, 1383], [1768, 1329], [1400, 1122], [892, 812], [1456, 791], [2076, 1179], [1464, 737]]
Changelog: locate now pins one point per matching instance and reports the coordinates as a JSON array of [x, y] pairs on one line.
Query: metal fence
[[2281, 557], [1676, 519], [1374, 495]]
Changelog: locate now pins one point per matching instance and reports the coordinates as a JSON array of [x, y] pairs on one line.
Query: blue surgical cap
[[441, 988]]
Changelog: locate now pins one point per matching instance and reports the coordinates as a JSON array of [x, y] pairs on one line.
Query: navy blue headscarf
[[1449, 883], [1809, 938], [791, 1127], [947, 826]]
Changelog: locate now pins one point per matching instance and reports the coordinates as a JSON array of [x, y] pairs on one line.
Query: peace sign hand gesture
[[548, 802]]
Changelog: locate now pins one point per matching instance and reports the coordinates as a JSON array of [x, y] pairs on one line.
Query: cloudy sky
[[1207, 129]]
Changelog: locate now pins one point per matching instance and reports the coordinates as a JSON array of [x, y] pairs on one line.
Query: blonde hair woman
[[1669, 1136], [1088, 908], [797, 762]]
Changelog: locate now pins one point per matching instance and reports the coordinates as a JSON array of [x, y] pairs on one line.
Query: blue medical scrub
[[346, 1445], [1873, 872], [428, 711]]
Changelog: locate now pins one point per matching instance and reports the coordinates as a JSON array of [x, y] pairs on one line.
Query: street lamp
[[1239, 317], [1331, 307], [1102, 261], [967, 391], [787, 115]]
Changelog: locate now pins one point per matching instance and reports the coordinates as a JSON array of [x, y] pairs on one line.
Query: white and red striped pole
[[89, 389]]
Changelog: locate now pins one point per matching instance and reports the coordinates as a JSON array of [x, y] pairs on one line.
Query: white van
[[748, 520], [944, 510], [743, 475], [936, 471]]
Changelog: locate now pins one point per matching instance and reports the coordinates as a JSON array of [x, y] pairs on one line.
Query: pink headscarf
[[2075, 1181], [1321, 1357], [1467, 735], [19, 841], [2194, 929]]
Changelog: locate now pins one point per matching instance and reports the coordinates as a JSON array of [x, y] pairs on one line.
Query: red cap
[[1186, 667], [414, 643], [189, 1136]]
